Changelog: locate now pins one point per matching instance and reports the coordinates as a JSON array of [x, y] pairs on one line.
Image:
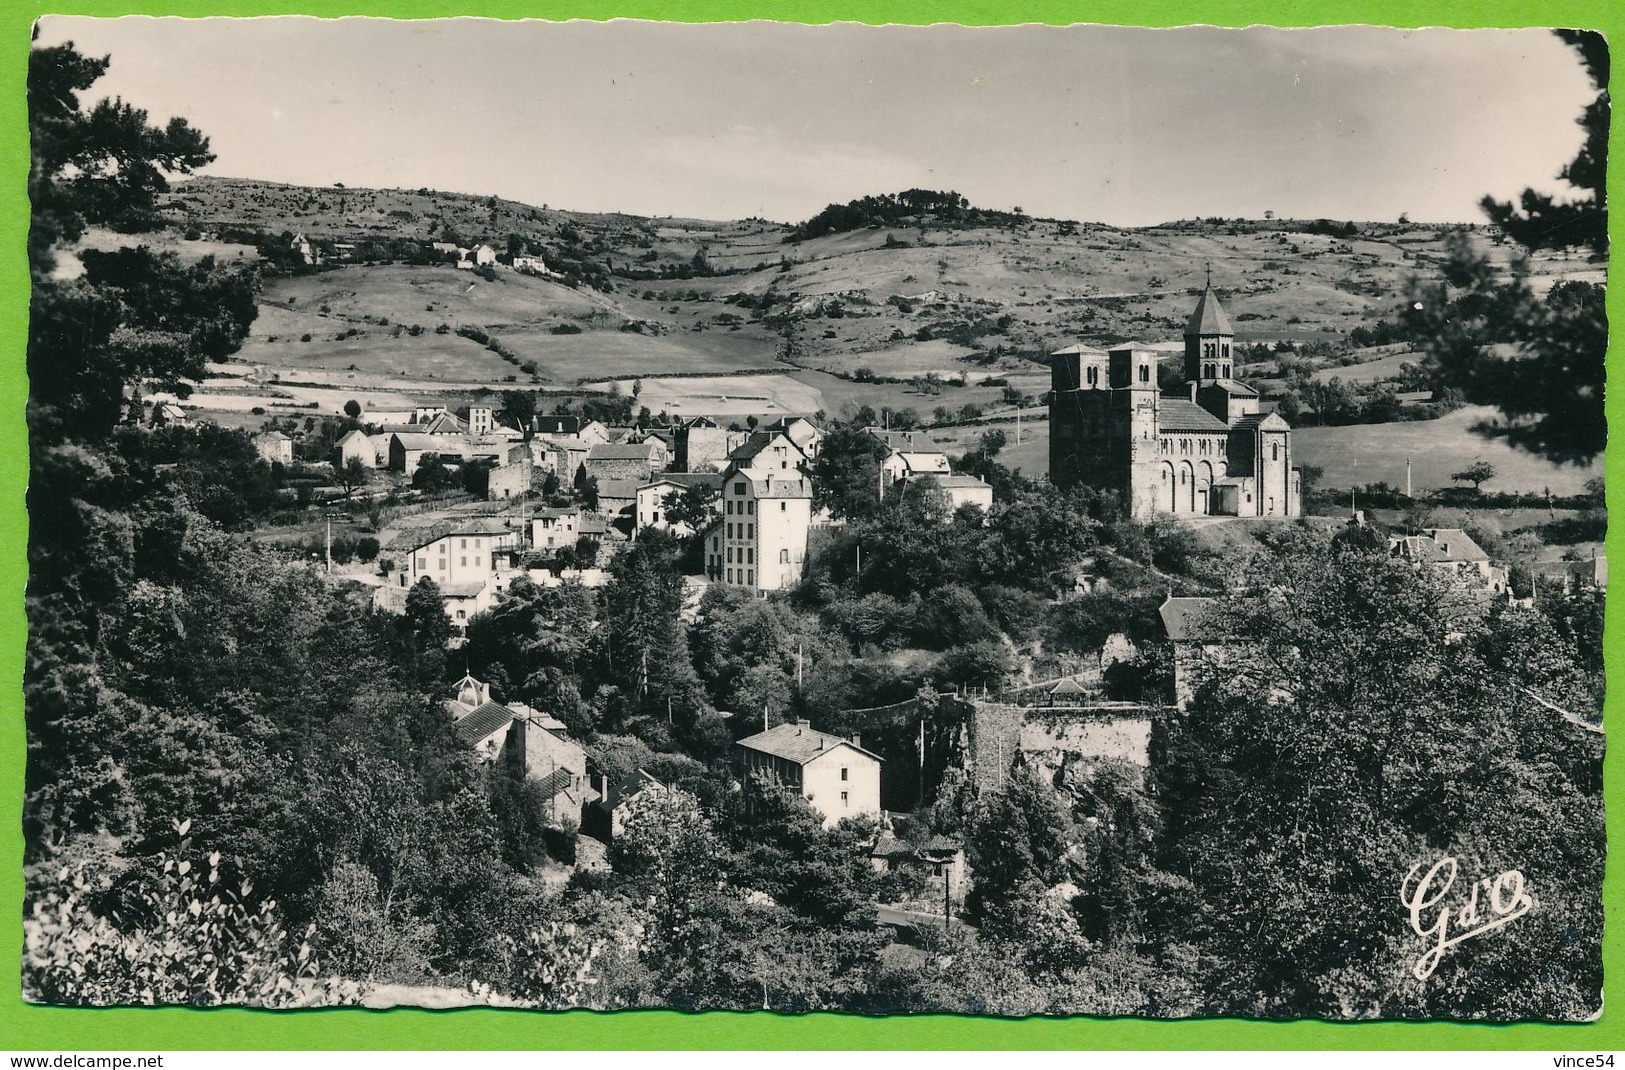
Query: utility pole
[[798, 666], [922, 757], [1018, 425], [329, 554]]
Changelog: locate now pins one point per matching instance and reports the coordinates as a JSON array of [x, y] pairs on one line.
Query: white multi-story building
[[760, 541], [836, 776], [466, 553]]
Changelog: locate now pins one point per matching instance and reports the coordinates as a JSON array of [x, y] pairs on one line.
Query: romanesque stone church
[[1205, 450]]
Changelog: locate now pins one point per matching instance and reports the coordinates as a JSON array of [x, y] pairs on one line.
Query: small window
[[730, 507], [1145, 373], [782, 507], [465, 562], [739, 489], [750, 575], [730, 575], [476, 560], [843, 772], [461, 615], [422, 563], [845, 799], [784, 557], [464, 545], [750, 556]]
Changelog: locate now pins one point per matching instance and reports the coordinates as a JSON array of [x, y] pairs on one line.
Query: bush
[[192, 940]]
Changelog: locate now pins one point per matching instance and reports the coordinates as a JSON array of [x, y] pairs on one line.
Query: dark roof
[[484, 720], [1455, 544], [757, 442], [1248, 423], [1080, 349], [1187, 619], [941, 845], [945, 480], [798, 743], [1233, 387], [618, 489], [555, 425], [683, 479], [619, 451], [889, 846], [1209, 316], [554, 782], [1177, 414]]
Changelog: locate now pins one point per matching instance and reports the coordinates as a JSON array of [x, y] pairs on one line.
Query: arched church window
[[1275, 451], [1145, 373], [1225, 349], [1094, 376]]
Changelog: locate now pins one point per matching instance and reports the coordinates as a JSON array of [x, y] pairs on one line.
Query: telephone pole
[[329, 551]]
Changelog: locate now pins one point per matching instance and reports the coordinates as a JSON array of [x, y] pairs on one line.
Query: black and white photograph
[[1005, 521]]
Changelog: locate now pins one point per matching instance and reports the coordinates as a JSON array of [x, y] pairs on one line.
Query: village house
[[1207, 450], [555, 764], [635, 461], [508, 481], [836, 776], [905, 464], [760, 541], [554, 529], [274, 447], [605, 817], [701, 446], [565, 459], [356, 446], [1453, 555], [959, 490], [1202, 643], [616, 499], [554, 426], [768, 452], [541, 744], [407, 449], [801, 431], [654, 499], [463, 552]]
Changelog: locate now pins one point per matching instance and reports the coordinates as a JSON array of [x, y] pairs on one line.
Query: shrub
[[191, 940]]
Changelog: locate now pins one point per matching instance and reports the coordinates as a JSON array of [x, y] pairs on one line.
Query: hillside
[[955, 302]]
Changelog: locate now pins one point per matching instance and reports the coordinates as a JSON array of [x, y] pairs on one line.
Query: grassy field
[[1369, 372], [1372, 453], [1361, 453]]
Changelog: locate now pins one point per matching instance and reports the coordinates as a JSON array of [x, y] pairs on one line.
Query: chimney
[[802, 722], [857, 739], [1192, 385]]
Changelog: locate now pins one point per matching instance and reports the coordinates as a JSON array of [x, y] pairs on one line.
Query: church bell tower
[[1209, 340]]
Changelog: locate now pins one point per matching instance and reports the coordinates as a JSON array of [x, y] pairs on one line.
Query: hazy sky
[[1125, 126]]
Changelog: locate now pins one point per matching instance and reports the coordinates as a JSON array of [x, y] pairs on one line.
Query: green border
[[25, 1027]]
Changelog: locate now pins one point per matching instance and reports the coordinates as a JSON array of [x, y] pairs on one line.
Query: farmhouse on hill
[[1209, 450]]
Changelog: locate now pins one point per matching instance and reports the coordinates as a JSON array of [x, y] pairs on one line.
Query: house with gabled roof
[[836, 775]]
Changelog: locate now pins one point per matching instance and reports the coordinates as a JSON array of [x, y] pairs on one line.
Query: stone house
[[836, 776]]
